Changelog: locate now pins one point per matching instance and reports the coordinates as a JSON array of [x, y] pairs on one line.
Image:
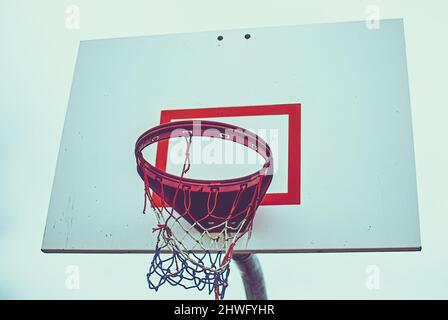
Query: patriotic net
[[199, 222]]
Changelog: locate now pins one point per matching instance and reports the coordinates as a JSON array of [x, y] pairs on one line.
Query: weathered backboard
[[332, 100]]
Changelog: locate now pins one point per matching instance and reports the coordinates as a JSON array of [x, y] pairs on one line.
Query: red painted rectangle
[[292, 196]]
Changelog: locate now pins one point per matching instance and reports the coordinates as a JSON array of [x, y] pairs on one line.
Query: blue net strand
[[178, 271]]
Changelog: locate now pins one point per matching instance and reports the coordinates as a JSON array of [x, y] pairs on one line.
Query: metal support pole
[[252, 276]]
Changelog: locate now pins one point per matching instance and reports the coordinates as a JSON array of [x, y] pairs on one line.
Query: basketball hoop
[[199, 222]]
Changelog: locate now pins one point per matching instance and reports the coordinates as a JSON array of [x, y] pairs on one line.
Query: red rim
[[165, 131]]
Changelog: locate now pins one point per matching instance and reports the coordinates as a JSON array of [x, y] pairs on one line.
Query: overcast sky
[[37, 59]]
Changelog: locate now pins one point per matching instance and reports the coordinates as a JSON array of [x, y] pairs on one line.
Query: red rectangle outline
[[292, 196]]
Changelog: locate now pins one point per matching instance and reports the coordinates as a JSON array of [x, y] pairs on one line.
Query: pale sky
[[37, 60]]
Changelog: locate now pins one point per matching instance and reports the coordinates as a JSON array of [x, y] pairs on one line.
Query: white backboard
[[345, 166]]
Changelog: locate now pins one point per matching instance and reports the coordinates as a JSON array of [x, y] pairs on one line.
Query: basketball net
[[198, 255]]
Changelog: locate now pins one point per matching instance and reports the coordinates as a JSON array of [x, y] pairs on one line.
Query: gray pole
[[252, 275]]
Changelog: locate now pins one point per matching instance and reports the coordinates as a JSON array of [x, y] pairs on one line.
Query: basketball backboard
[[332, 100]]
